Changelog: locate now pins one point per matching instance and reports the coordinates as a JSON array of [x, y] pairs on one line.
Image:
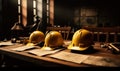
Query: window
[[85, 16], [48, 10], [34, 9], [39, 9], [19, 11], [22, 12], [42, 8]]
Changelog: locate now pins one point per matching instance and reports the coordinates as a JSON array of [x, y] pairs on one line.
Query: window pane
[[19, 2], [34, 4], [19, 9]]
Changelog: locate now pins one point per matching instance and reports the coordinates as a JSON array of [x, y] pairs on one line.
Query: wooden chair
[[65, 31], [107, 31]]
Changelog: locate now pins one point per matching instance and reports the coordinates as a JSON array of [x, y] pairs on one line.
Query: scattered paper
[[87, 59], [40, 52], [23, 48], [72, 57], [7, 43], [102, 61]]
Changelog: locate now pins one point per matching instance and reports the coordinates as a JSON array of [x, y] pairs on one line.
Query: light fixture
[[16, 32], [17, 26]]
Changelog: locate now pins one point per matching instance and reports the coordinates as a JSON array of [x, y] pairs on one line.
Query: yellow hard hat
[[36, 37], [53, 40], [81, 40]]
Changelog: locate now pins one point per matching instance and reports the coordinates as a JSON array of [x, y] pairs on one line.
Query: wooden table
[[52, 62]]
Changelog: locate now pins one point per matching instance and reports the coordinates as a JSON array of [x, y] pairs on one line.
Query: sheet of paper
[[6, 43], [102, 61], [72, 57], [23, 48], [40, 52]]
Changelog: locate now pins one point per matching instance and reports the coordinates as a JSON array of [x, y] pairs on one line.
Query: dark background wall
[[63, 12], [8, 17], [108, 12], [0, 15]]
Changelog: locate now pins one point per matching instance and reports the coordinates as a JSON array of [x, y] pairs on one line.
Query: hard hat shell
[[81, 40], [36, 37], [53, 40]]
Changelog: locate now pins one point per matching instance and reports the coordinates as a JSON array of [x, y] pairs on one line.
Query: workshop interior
[[59, 33]]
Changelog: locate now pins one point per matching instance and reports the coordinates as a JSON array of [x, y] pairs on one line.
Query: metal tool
[[113, 48]]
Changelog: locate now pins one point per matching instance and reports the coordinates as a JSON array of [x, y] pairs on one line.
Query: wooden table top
[[48, 61]]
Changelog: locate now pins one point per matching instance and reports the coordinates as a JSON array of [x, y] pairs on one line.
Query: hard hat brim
[[30, 44], [46, 48], [77, 48]]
